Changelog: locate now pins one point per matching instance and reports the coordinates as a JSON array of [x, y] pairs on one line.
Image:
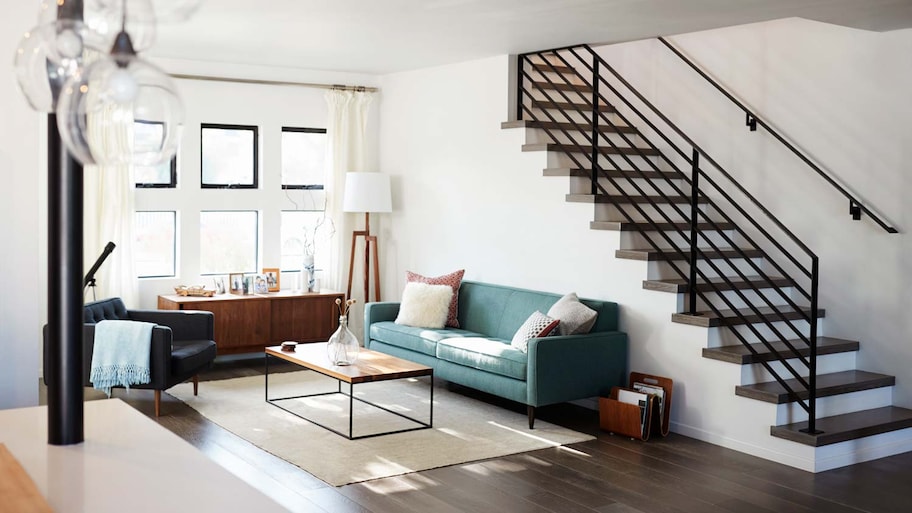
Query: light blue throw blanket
[[121, 354]]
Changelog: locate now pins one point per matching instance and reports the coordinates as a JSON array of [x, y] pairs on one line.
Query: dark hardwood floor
[[608, 475]]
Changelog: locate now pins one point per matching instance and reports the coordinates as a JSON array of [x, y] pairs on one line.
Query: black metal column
[[65, 268], [65, 303], [694, 212]]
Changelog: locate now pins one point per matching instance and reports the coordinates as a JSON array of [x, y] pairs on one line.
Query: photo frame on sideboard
[[236, 283], [273, 277]]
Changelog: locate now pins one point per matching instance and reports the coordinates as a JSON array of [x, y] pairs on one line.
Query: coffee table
[[372, 366]]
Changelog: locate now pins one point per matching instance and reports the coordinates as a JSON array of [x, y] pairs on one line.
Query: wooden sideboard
[[247, 324]]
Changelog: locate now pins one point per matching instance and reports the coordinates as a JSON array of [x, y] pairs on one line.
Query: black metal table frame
[[351, 403]]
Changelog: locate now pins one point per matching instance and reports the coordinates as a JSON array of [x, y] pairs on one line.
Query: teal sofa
[[478, 354]]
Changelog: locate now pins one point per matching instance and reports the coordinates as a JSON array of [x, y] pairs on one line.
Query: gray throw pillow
[[575, 317]]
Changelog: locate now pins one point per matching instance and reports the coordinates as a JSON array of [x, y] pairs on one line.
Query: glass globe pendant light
[[47, 56], [98, 111]]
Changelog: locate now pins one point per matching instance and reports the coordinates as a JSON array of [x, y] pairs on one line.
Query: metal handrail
[[695, 252], [856, 206]]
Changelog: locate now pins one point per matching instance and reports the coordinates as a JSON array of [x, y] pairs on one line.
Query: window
[[228, 156], [228, 241], [156, 244], [303, 157], [299, 227], [161, 176]]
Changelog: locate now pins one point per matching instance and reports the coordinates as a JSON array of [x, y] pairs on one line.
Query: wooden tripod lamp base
[[370, 247]]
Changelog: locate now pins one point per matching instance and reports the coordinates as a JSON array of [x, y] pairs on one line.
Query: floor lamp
[[366, 192]]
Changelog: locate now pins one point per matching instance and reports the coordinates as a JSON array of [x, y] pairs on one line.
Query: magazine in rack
[[639, 409]]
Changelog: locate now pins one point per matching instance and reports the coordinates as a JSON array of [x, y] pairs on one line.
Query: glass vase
[[308, 274], [343, 347]]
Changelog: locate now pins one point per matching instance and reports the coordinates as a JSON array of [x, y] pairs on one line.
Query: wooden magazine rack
[[636, 411]]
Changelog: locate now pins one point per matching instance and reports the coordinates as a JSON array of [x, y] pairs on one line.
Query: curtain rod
[[273, 82]]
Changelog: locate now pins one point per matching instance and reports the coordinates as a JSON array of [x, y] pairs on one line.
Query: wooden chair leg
[[158, 398], [196, 384], [530, 410]]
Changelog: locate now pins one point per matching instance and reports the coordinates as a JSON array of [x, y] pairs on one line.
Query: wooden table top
[[371, 365]]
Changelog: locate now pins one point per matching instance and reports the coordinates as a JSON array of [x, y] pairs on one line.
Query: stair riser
[[638, 240], [540, 135], [660, 270], [756, 373], [725, 337], [566, 116], [674, 213], [544, 73], [549, 94], [836, 405], [579, 185], [750, 297], [560, 159]]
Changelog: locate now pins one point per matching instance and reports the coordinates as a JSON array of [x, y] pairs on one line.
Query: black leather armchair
[[182, 343]]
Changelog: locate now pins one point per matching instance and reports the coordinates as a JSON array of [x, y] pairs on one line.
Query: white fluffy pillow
[[424, 305], [575, 317]]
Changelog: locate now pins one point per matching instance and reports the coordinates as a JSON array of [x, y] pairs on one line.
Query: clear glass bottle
[[343, 347]]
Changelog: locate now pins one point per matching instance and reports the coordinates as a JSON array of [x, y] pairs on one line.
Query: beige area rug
[[464, 429]]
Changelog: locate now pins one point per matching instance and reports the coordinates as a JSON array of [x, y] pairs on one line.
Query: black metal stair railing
[[752, 120], [584, 126]]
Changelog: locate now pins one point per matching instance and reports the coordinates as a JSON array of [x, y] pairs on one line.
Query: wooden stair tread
[[624, 226], [584, 125], [583, 148], [679, 286], [584, 107], [562, 86], [630, 198], [668, 254], [827, 384], [614, 173], [848, 426], [741, 355], [730, 317], [553, 68]]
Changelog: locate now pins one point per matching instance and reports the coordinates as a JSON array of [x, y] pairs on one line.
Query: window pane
[[228, 242], [163, 175], [303, 155], [298, 228], [229, 155], [155, 244]]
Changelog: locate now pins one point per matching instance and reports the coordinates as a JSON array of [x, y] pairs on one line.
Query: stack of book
[[639, 409]]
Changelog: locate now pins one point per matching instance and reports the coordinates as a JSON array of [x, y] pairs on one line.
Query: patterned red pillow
[[454, 279]]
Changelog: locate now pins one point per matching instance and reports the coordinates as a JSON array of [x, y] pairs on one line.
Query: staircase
[[735, 267]]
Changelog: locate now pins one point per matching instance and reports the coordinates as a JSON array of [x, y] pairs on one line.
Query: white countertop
[[127, 463]]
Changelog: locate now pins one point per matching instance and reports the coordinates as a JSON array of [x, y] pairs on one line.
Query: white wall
[[841, 94], [270, 107], [21, 305]]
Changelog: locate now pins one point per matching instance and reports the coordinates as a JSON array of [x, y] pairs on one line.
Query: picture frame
[[248, 283], [236, 283], [273, 278], [260, 285]]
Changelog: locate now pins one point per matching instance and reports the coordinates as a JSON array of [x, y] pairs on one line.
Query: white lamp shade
[[367, 192]]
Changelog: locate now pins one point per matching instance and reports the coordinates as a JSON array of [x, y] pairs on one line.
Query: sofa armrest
[[184, 324], [571, 367], [378, 312]]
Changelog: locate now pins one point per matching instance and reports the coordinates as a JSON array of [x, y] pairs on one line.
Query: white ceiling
[[383, 36]]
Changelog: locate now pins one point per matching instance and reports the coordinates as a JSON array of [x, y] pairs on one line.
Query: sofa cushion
[[575, 317], [422, 340], [537, 325], [453, 280], [490, 355], [424, 305]]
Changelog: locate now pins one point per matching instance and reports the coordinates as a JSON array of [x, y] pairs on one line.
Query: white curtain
[[346, 151], [109, 210]]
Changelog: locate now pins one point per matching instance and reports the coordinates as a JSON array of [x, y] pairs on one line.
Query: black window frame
[[173, 246], [256, 155], [299, 130], [256, 244]]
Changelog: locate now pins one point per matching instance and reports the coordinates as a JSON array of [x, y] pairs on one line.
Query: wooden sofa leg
[[196, 384], [158, 399], [531, 411]]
